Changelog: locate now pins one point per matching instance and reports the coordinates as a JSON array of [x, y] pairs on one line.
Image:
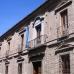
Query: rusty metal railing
[[37, 41], [62, 31]]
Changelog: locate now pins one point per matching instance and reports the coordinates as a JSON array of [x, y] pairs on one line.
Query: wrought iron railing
[[18, 50], [37, 41], [62, 31], [14, 51]]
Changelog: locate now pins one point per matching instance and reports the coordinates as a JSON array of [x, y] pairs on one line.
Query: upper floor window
[[38, 29], [22, 40], [64, 18], [27, 36], [9, 45], [64, 22], [9, 42]]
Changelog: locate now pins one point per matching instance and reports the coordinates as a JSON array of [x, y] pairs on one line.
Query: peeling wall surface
[[46, 47]]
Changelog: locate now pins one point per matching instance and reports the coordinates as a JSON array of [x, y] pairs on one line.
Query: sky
[[12, 11]]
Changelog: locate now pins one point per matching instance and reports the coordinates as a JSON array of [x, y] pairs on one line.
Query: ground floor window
[[65, 64], [6, 69], [37, 67], [20, 68]]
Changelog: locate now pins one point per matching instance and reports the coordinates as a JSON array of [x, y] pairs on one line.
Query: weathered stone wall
[[50, 62]]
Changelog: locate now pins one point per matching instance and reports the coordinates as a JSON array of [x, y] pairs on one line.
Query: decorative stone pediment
[[64, 48], [38, 21]]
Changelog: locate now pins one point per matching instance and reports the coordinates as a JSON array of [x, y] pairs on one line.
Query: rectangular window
[[20, 68], [64, 21], [27, 38], [22, 41], [64, 18], [9, 45], [38, 29], [65, 64], [9, 42], [37, 67], [6, 69]]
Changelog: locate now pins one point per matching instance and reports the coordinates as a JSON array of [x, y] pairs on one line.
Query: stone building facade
[[41, 43]]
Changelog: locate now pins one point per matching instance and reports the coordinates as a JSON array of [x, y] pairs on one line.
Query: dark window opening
[[20, 68], [22, 40], [64, 18], [38, 29], [64, 21], [0, 47], [37, 67], [65, 63], [6, 69], [9, 45]]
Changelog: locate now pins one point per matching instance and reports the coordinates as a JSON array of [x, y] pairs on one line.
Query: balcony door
[[38, 29], [22, 41], [64, 22]]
